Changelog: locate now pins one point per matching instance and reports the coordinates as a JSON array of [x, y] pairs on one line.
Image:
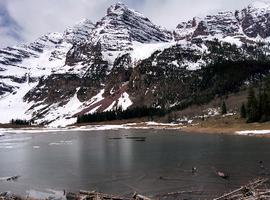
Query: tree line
[[119, 114], [257, 107], [22, 122]]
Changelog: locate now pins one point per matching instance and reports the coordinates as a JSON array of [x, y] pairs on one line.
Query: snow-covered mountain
[[122, 30], [123, 60]]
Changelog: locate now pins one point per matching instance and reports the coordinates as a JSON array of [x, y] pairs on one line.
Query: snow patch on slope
[[124, 101], [12, 106], [142, 51], [97, 98], [45, 65], [110, 107], [62, 115]]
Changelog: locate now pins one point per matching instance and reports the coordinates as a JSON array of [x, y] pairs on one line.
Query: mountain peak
[[120, 9], [122, 25], [117, 9], [79, 32]]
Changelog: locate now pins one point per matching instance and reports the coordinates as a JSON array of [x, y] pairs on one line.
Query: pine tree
[[252, 107], [265, 100], [169, 118], [243, 111], [260, 104], [223, 108], [265, 107]]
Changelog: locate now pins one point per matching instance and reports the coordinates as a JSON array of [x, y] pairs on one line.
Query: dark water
[[160, 164]]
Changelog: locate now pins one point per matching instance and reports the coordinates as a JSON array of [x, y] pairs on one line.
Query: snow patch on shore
[[160, 124], [253, 132], [46, 194], [143, 125]]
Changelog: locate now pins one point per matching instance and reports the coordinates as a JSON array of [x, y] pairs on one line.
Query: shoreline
[[201, 128], [258, 186], [228, 131]]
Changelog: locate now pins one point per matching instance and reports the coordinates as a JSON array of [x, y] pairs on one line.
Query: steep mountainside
[[125, 60]]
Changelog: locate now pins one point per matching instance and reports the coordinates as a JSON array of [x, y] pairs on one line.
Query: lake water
[[101, 161]]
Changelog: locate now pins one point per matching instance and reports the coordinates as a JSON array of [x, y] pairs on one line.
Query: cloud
[[10, 31], [42, 16], [7, 40], [38, 17]]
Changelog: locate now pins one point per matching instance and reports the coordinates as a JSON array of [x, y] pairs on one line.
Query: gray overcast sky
[[37, 17]]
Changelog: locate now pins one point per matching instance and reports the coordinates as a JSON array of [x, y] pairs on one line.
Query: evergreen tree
[[265, 107], [252, 107], [243, 111], [265, 98], [20, 122], [223, 108], [169, 118]]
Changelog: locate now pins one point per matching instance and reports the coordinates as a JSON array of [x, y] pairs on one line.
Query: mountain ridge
[[124, 60]]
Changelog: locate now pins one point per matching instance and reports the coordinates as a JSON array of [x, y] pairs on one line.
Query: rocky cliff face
[[249, 23], [125, 60], [256, 20]]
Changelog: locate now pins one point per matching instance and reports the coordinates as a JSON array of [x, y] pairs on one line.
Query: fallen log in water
[[13, 178], [115, 138], [136, 138], [10, 178]]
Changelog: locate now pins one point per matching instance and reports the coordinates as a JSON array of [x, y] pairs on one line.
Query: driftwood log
[[92, 195], [255, 190]]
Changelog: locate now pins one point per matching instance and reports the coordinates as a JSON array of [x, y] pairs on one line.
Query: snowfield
[[142, 51], [12, 106]]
